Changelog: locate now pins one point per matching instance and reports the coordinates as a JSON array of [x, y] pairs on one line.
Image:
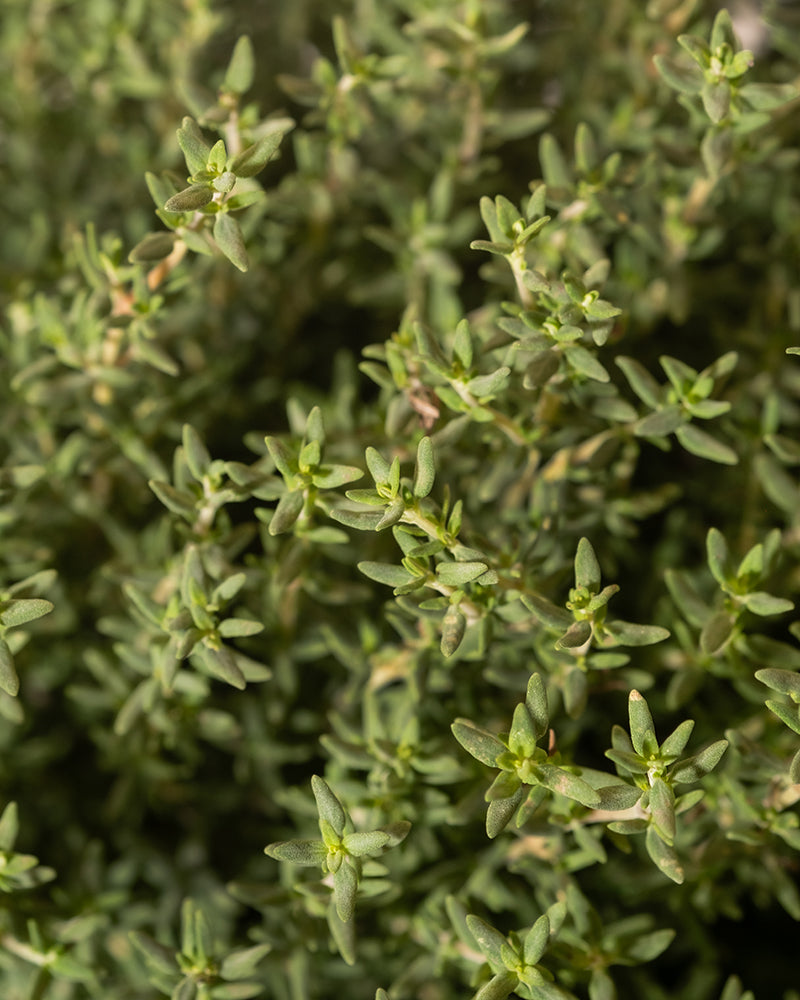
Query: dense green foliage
[[401, 526]]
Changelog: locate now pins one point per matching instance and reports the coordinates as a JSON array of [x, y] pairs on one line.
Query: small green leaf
[[282, 458], [9, 681], [154, 246], [22, 611], [705, 446], [195, 148], [555, 171], [677, 739], [228, 237], [489, 939], [761, 603], [393, 513], [499, 249], [505, 785], [649, 946], [664, 856], [252, 160], [522, 738], [298, 852], [584, 362], [628, 827], [507, 215], [190, 199], [487, 386], [559, 779], [631, 634], [236, 628], [229, 588], [361, 520], [345, 890], [462, 344], [660, 423], [643, 734], [397, 831], [499, 987], [685, 595], [241, 68], [454, 626], [392, 576], [425, 469], [576, 635], [641, 381], [343, 933], [718, 556], [702, 763], [536, 703], [616, 798], [328, 805], [536, 940], [784, 681], [587, 568], [329, 477], [789, 715], [186, 989], [482, 744], [601, 986], [716, 632], [309, 457], [685, 77], [222, 663], [722, 32], [287, 512], [697, 48], [366, 843], [662, 809], [9, 827], [546, 612], [794, 769], [541, 368], [197, 455], [159, 957], [456, 574]]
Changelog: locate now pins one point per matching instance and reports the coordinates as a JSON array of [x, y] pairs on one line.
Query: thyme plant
[[401, 516]]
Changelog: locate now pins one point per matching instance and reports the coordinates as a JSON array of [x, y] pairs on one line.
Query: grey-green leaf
[[252, 160], [643, 733], [298, 852], [241, 68], [425, 468], [24, 610], [190, 199], [705, 446], [560, 780], [696, 767], [366, 843], [328, 805], [482, 744], [9, 681], [456, 574], [489, 939], [228, 237], [345, 888], [587, 568], [154, 246], [195, 148]]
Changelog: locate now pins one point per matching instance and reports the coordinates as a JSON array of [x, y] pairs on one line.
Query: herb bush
[[413, 496]]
